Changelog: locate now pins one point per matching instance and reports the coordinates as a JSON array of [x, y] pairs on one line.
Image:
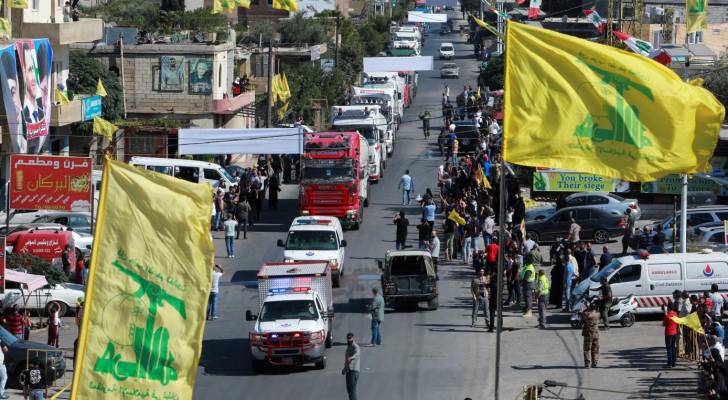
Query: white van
[[316, 238], [653, 278], [189, 170]]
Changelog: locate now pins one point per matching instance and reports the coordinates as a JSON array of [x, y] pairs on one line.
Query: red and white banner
[[50, 183]]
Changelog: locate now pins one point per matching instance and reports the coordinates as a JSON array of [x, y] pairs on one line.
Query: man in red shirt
[[14, 323], [491, 255], [670, 335]]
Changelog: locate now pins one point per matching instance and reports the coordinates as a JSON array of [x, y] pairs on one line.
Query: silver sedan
[[449, 70]]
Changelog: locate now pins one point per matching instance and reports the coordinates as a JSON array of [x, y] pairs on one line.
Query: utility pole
[[336, 41], [268, 114]]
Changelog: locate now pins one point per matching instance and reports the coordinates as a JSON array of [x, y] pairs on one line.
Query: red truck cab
[[334, 176]]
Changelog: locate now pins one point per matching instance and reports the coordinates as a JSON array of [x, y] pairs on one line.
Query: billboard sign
[[171, 74], [200, 76], [50, 183], [569, 181]]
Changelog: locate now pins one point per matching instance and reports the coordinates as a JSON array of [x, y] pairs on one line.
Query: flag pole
[[684, 191], [499, 277]]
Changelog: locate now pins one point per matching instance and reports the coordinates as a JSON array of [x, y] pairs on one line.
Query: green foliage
[[88, 70], [37, 266], [308, 82], [375, 35], [494, 74], [399, 13], [717, 83], [258, 31], [351, 51], [148, 16], [299, 30]]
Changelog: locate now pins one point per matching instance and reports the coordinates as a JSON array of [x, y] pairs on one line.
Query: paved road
[[425, 354]]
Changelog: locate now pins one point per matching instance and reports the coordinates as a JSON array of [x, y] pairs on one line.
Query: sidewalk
[[69, 333]]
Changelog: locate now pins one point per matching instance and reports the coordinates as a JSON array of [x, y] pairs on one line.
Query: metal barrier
[[688, 346], [53, 363]]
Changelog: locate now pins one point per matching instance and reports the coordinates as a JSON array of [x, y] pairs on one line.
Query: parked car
[[605, 200], [449, 70], [703, 238], [697, 217], [82, 242], [65, 295], [16, 359], [539, 213], [445, 29], [447, 50], [597, 224], [12, 228], [468, 136], [78, 221]]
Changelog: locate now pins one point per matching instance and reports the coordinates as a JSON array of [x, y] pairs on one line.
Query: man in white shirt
[[407, 184], [231, 227], [488, 229], [529, 244], [435, 251], [217, 273]]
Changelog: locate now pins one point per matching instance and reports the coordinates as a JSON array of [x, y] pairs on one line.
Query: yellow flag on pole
[[697, 15], [456, 218], [18, 4], [286, 5], [691, 320], [223, 6], [148, 287], [487, 26], [104, 128], [100, 89], [242, 3], [587, 107], [61, 98], [5, 27]]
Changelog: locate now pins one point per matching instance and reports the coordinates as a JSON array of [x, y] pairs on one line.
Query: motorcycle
[[621, 310]]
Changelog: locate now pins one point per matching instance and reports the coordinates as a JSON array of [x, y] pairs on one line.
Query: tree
[[494, 74], [88, 70], [259, 32], [37, 266], [375, 35], [173, 5], [716, 82], [299, 30], [307, 82], [143, 14]]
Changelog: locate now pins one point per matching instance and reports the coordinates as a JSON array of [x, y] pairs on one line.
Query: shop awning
[[241, 141], [32, 282]]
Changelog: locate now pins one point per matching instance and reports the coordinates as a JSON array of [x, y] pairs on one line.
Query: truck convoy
[[294, 324], [334, 176], [389, 106], [370, 123]]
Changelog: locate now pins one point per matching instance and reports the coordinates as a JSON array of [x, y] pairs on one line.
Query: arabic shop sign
[[50, 183], [567, 181]]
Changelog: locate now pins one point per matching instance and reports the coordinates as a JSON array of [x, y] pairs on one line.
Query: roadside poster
[[200, 76], [91, 107], [50, 183], [553, 180], [171, 74], [328, 64], [35, 59]]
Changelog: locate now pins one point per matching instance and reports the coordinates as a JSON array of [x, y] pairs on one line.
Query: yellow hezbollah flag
[[696, 11], [242, 3], [100, 89], [148, 288], [582, 106], [5, 27], [456, 218], [225, 6], [691, 320], [18, 4], [487, 26], [286, 5], [61, 97], [104, 128]]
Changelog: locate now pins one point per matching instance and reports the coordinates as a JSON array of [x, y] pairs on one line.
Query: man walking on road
[[479, 294], [217, 273], [425, 235], [425, 117], [352, 362], [435, 251], [242, 210], [590, 331], [542, 297], [377, 311], [401, 222], [406, 184], [231, 226]]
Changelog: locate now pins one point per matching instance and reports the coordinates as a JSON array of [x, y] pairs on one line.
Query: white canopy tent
[[241, 141], [389, 64]]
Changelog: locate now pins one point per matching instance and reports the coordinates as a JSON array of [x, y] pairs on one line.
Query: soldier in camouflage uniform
[[590, 331]]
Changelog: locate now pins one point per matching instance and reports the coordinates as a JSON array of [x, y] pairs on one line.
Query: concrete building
[[191, 83]]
